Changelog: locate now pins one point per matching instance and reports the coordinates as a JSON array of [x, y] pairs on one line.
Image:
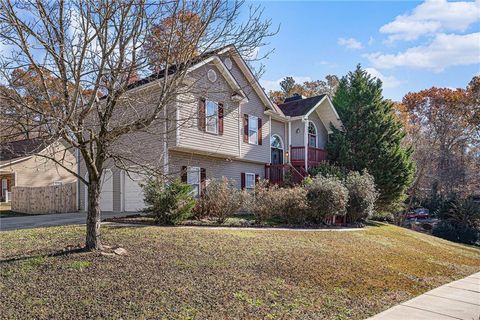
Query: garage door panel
[[106, 193], [133, 192]]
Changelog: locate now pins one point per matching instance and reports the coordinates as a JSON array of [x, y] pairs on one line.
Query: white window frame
[[250, 118], [316, 133], [247, 174], [192, 170], [210, 117]]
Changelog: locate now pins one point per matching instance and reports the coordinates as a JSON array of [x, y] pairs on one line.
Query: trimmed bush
[[220, 200], [294, 204], [168, 203], [264, 202], [361, 196], [462, 234], [326, 197]]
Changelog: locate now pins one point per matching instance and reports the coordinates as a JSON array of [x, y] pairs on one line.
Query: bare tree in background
[[85, 55]]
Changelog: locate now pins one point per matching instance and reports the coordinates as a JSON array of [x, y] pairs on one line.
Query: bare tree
[[88, 54]]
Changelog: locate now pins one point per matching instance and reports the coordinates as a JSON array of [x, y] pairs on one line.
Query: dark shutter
[[203, 179], [183, 174], [220, 118], [242, 180], [260, 131], [201, 114], [245, 128], [257, 178]]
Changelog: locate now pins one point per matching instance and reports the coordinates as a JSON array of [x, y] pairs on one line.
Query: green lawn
[[180, 273]]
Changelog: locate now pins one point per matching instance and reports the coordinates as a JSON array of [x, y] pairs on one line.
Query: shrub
[[382, 216], [461, 212], [326, 197], [361, 195], [457, 233], [327, 169], [293, 203], [169, 203], [220, 200], [264, 201]]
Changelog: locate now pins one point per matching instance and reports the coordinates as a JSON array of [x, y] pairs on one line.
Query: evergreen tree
[[371, 137]]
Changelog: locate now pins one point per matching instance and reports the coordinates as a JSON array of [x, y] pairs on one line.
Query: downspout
[[289, 141], [77, 194]]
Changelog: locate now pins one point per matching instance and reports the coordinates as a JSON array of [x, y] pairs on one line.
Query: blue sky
[[409, 45]]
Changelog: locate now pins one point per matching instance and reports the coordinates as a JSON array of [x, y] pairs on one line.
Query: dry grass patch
[[216, 274]]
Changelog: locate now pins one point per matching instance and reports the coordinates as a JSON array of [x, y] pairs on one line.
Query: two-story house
[[224, 125]]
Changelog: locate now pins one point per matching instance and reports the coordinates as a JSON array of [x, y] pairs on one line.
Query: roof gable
[[300, 107], [22, 148]]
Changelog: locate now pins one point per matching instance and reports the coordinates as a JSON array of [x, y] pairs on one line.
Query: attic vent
[[228, 63], [295, 97], [212, 75]]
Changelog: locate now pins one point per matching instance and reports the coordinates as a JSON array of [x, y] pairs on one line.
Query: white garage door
[[106, 194], [133, 192]]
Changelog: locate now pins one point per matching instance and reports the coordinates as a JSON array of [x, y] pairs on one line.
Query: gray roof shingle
[[300, 107]]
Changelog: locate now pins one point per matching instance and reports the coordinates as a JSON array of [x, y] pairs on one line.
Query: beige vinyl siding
[[216, 168], [278, 128], [254, 107], [39, 172], [321, 130], [298, 138], [219, 91]]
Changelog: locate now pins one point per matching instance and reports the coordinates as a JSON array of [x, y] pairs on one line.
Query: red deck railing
[[315, 155], [276, 173]]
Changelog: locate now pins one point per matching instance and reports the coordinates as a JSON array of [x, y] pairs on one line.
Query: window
[[249, 181], [276, 142], [193, 179], [211, 117], [57, 183], [252, 129], [312, 135]]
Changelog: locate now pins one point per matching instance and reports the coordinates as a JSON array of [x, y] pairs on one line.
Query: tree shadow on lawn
[[48, 255]]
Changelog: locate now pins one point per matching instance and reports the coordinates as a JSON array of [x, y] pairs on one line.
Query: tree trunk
[[93, 217]]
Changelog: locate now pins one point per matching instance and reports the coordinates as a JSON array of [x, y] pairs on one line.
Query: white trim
[[250, 76], [289, 141], [270, 135], [254, 182], [16, 161], [207, 116], [281, 141], [332, 107], [248, 125], [190, 170], [305, 141], [223, 70], [316, 133]]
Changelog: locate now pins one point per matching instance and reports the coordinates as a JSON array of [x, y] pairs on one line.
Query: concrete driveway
[[46, 220]]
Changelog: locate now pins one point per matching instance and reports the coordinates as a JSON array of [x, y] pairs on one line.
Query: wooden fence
[[42, 200]]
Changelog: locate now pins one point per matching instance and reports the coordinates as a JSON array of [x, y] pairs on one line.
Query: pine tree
[[371, 137]]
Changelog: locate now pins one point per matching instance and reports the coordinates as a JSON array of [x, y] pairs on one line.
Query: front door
[[277, 156]]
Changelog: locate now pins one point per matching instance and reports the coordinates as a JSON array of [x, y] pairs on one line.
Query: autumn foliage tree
[[289, 87], [444, 125], [181, 28], [72, 65]]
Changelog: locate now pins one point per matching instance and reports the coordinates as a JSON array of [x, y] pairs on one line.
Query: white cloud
[[350, 43], [388, 81], [275, 84], [444, 51], [431, 17]]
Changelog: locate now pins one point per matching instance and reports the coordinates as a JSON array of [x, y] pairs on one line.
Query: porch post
[[289, 142], [305, 142]]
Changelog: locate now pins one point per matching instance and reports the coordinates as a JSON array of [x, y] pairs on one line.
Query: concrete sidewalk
[[456, 300], [47, 220]]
